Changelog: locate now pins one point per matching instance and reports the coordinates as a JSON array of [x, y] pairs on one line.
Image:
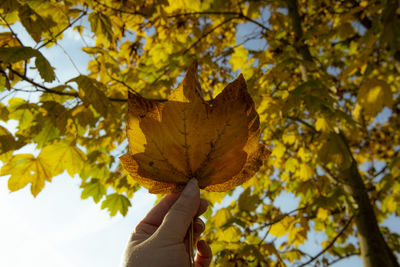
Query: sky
[[57, 228]]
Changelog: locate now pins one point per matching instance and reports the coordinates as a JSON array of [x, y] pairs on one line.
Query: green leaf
[[34, 24], [3, 82], [94, 189], [7, 141], [298, 91], [16, 54], [248, 202], [3, 112], [46, 71], [101, 25], [21, 111], [48, 132], [373, 95], [91, 92], [334, 150], [9, 5], [116, 203]]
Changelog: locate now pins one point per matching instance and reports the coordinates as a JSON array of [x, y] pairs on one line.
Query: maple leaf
[[186, 137]]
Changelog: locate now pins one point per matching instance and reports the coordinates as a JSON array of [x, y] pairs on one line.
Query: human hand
[[161, 238]]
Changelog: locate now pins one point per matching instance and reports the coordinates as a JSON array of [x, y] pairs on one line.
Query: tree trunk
[[374, 249]]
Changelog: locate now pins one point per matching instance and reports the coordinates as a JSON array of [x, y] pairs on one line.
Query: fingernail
[[199, 222], [191, 186]]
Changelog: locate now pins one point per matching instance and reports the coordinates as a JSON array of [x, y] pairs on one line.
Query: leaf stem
[[191, 244]]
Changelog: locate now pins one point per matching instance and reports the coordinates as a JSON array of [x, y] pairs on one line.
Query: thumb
[[178, 219]]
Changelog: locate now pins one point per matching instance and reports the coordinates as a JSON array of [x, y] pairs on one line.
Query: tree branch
[[49, 90], [207, 33], [63, 30], [298, 31], [46, 89], [330, 244], [303, 122], [254, 22], [204, 13], [11, 30], [343, 257], [238, 14]]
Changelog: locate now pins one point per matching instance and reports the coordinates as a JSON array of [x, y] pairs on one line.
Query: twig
[[11, 30], [49, 90], [16, 38], [343, 257], [207, 33], [303, 122], [254, 22], [238, 14], [204, 13], [63, 30], [46, 89], [330, 175], [330, 244], [69, 58]]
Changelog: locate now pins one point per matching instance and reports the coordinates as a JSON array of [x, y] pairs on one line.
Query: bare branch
[[207, 33], [46, 89], [237, 14], [63, 30], [49, 90], [330, 244], [11, 30], [205, 13], [303, 122], [343, 257]]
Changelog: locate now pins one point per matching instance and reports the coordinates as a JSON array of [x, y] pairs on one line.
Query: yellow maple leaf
[[184, 138], [63, 155], [282, 227], [24, 169]]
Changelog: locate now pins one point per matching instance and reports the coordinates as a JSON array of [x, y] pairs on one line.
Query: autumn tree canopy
[[324, 76]]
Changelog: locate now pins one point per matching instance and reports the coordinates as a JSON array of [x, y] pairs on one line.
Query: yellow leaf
[[322, 214], [221, 217], [373, 95], [172, 142], [278, 150], [230, 235], [293, 255], [24, 169], [182, 4], [289, 139], [305, 172], [291, 165], [298, 232], [282, 227], [63, 155], [321, 124], [304, 155], [239, 58]]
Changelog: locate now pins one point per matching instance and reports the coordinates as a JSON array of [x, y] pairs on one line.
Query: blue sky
[[57, 228]]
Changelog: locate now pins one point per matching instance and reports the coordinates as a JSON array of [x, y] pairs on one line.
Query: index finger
[[157, 213]]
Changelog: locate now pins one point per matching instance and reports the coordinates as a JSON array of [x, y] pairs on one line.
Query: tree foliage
[[325, 79]]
